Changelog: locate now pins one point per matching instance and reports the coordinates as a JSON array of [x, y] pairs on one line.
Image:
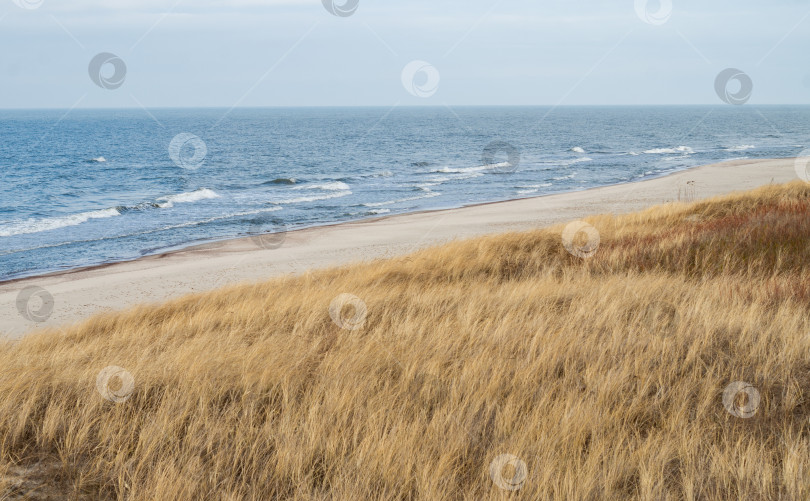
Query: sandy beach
[[78, 294]]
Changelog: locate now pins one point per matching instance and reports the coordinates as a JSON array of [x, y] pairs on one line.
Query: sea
[[87, 187]]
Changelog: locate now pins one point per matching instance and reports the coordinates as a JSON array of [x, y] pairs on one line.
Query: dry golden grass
[[604, 376]]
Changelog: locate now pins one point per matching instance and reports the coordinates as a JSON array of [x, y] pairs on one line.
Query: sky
[[238, 53]]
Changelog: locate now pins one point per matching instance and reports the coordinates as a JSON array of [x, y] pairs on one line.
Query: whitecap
[[534, 186], [576, 161], [471, 175], [686, 150], [98, 159], [562, 178], [740, 148], [331, 186], [577, 149], [32, 225], [192, 196], [467, 170], [314, 198]]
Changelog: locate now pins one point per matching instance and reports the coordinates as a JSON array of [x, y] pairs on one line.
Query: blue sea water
[[86, 187]]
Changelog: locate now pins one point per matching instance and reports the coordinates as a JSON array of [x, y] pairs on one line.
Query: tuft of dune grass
[[604, 376]]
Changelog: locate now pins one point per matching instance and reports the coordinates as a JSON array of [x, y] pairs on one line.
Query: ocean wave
[[576, 161], [147, 232], [192, 196], [740, 148], [461, 170], [532, 188], [330, 186], [374, 212], [211, 220], [733, 159], [97, 160], [462, 177], [282, 180], [314, 198], [400, 200], [577, 149], [686, 150], [52, 223], [467, 170], [562, 178]]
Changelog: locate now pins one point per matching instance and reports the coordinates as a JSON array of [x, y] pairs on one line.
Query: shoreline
[[80, 292], [188, 246]]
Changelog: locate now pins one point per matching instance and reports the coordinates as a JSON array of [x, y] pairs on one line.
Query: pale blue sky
[[295, 53]]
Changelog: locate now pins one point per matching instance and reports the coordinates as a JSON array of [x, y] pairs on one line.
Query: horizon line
[[384, 106]]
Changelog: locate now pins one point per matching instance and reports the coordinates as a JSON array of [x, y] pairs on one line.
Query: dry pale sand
[[80, 293]]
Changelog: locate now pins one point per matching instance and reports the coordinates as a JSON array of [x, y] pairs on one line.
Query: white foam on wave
[[532, 188], [471, 175], [468, 170], [212, 219], [379, 211], [314, 198], [577, 149], [733, 159], [576, 161], [743, 147], [462, 170], [32, 225], [182, 198], [562, 178], [400, 200], [686, 150], [98, 159], [331, 186]]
